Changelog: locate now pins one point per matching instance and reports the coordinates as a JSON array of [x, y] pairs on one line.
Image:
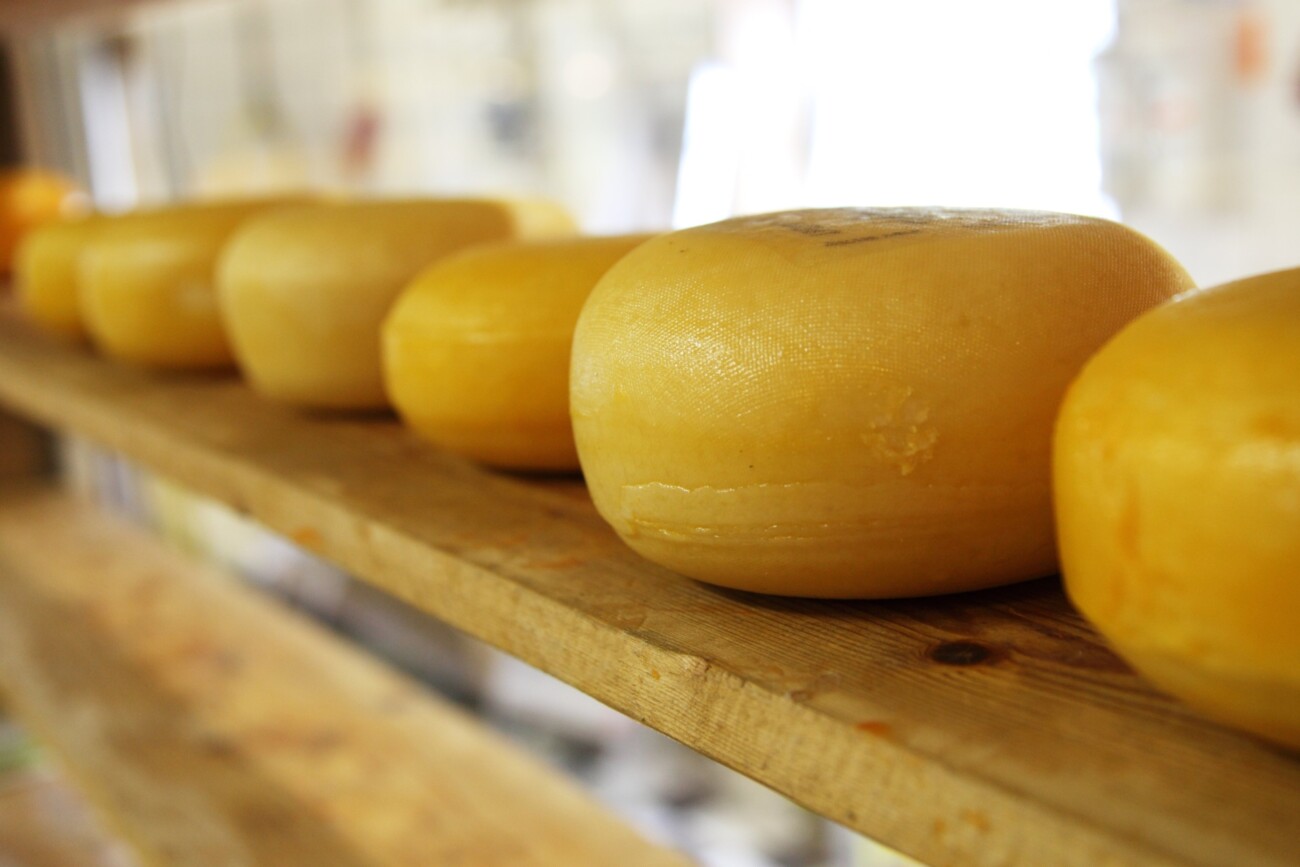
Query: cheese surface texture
[[476, 350], [46, 274], [849, 402], [1177, 475], [146, 285], [304, 291]]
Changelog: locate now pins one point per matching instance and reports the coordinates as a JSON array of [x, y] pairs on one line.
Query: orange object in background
[[29, 197]]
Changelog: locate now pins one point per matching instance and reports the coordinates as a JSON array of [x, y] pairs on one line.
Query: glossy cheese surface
[[849, 402], [147, 284], [46, 274], [1177, 470], [305, 291], [476, 350]]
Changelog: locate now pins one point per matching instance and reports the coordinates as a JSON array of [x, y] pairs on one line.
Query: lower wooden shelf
[[991, 728], [215, 728], [45, 822]]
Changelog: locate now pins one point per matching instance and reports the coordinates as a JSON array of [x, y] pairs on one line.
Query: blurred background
[[1178, 117]]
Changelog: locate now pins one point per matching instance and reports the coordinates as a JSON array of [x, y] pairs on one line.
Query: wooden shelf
[[45, 822], [985, 729], [216, 727]]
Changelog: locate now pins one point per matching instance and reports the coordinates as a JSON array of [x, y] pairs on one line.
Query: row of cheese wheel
[[838, 403]]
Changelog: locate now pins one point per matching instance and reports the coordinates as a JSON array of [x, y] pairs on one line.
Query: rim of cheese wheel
[[848, 402]]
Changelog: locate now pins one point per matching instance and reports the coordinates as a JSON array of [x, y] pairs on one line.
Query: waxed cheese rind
[[476, 350], [1177, 471], [848, 403], [46, 268], [304, 292], [146, 284]]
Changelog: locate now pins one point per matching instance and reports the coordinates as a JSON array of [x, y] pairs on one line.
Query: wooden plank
[[986, 729], [217, 728]]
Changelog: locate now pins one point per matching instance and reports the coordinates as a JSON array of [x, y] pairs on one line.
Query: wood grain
[[987, 729], [217, 728]]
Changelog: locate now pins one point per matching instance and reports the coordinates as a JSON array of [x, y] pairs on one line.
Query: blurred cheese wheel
[[46, 272], [304, 291], [476, 351], [849, 402], [28, 198], [147, 284], [1177, 477]]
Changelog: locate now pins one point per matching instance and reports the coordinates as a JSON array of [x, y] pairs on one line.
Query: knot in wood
[[962, 653]]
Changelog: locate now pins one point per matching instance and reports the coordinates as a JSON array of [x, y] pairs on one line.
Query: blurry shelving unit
[[215, 727]]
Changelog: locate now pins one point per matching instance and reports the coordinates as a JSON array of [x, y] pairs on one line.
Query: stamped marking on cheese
[[840, 227], [862, 239]]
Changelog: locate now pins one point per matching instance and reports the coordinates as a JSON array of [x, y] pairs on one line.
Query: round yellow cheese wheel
[[305, 290], [30, 197], [45, 271], [848, 402], [476, 350], [146, 286], [1177, 479]]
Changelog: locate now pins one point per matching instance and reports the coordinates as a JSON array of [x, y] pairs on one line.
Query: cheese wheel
[[476, 350], [146, 286], [305, 291], [1177, 484], [46, 272], [29, 198], [848, 402]]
